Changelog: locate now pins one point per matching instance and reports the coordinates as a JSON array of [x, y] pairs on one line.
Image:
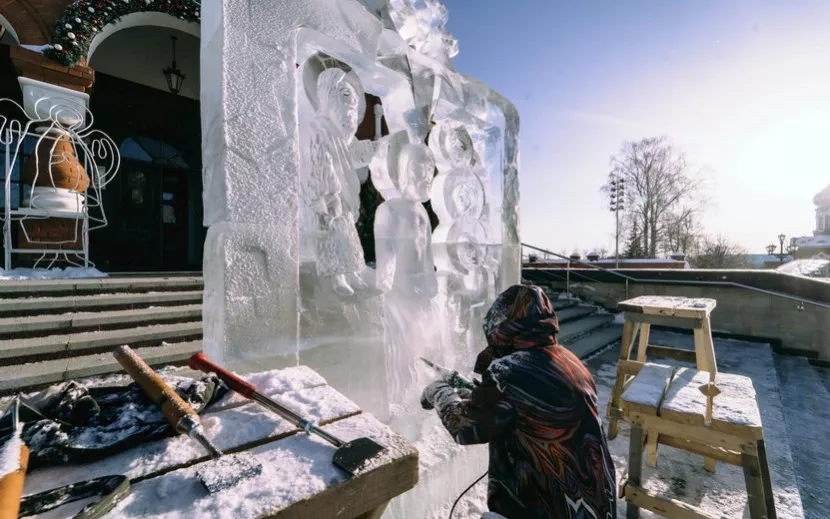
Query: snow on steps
[[806, 412], [69, 303], [18, 327], [36, 374], [54, 330]]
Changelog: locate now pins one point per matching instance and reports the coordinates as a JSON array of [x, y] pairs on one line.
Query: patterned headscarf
[[521, 317]]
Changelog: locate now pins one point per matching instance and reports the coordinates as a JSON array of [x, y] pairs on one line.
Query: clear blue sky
[[743, 87]]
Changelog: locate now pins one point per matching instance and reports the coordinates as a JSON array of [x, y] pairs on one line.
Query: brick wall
[[33, 20], [50, 230], [36, 66]]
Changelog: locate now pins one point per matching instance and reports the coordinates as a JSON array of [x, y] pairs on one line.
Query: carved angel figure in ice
[[330, 186], [403, 172], [460, 240]]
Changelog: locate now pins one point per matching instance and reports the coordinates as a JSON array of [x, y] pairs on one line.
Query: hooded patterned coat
[[537, 408]]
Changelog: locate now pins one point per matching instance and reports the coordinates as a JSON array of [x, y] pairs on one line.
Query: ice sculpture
[[329, 184], [285, 281], [402, 172]]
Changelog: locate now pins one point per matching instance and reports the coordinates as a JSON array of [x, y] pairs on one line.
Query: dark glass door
[[174, 210], [139, 233]]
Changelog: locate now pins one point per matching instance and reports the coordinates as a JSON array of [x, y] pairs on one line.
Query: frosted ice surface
[[251, 292], [53, 273], [422, 23]]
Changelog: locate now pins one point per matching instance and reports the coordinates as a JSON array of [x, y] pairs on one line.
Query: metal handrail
[[674, 281]]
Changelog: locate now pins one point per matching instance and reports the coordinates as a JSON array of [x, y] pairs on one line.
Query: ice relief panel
[[459, 198], [403, 171], [330, 188]]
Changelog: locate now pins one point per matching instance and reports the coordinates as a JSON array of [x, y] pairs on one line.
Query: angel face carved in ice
[[331, 189], [403, 233]]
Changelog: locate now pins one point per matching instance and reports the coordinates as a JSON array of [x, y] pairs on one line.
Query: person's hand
[[428, 395]]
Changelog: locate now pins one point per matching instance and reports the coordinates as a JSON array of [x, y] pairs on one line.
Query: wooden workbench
[[298, 479]]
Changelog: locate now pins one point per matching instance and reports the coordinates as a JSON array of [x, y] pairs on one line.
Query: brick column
[[32, 65], [59, 169]]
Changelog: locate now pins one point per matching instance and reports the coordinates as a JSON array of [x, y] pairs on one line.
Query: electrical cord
[[465, 491]]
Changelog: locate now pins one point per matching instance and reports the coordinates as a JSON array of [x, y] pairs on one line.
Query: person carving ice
[[332, 188], [403, 174], [536, 406]]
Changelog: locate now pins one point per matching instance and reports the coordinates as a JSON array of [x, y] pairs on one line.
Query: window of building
[[15, 187], [153, 151]]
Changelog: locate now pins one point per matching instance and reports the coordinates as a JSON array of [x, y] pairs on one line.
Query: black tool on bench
[[109, 489], [349, 456], [225, 470]]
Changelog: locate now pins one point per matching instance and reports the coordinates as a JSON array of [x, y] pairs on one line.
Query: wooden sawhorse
[[666, 402], [677, 312]]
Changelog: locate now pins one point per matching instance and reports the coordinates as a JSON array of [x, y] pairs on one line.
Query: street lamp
[[781, 238], [617, 204]]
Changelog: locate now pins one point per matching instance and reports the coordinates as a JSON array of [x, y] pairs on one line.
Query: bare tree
[[659, 190], [719, 253], [681, 230]]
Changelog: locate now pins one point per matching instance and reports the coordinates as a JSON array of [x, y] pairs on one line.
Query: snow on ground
[[54, 273], [680, 475]]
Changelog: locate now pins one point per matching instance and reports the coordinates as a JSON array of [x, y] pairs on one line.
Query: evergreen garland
[[82, 19]]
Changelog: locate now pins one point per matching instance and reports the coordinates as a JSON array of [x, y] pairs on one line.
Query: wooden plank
[[635, 467], [646, 392], [666, 507], [645, 330], [629, 367], [651, 448], [699, 308], [666, 321], [766, 479], [629, 332], [698, 434], [655, 305], [684, 403], [298, 481], [732, 458], [151, 458], [754, 487], [667, 352], [736, 408]]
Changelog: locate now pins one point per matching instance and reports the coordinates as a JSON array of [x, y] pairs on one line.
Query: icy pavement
[[53, 273], [808, 416], [681, 475]]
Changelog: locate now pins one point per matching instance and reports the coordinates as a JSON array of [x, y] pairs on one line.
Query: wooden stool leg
[[651, 448], [635, 466], [629, 333], [765, 477], [645, 330], [754, 486]]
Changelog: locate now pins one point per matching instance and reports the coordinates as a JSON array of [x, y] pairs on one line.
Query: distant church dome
[[823, 198]]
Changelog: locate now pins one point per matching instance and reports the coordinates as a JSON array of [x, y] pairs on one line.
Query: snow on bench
[[295, 466]]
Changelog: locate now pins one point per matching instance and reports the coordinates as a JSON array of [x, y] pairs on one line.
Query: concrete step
[[577, 329], [38, 374], [64, 287], [804, 398], [64, 304], [574, 313], [19, 327], [596, 340], [16, 351], [562, 304]]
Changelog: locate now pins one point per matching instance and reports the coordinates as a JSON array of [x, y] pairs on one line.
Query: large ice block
[[248, 312]]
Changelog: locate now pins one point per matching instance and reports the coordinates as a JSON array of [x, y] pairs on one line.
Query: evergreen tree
[[634, 245]]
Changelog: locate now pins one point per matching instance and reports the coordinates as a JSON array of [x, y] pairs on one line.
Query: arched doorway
[[154, 205]]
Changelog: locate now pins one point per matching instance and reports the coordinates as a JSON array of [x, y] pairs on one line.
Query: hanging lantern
[[172, 74]]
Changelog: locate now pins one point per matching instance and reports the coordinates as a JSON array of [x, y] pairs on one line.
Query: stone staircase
[[584, 329], [56, 330]]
